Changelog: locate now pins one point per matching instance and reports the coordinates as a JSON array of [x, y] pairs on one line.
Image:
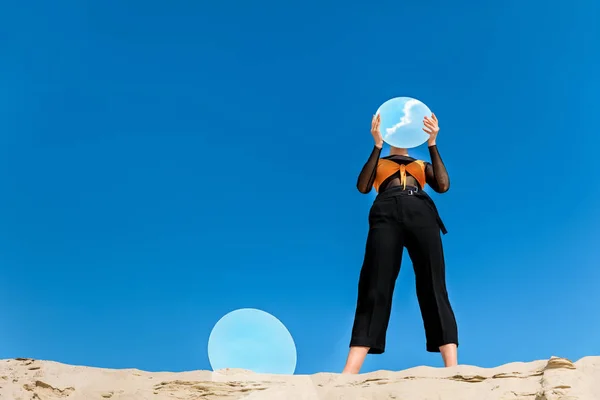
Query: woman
[[402, 215]]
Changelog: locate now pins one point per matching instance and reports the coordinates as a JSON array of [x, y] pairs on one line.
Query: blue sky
[[164, 163]]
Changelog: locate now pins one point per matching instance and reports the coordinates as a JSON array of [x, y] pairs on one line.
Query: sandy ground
[[554, 379]]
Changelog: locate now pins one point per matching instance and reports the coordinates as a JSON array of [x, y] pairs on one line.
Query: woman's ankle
[[356, 358], [449, 354]]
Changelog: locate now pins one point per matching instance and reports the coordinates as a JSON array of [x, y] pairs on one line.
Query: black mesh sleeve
[[435, 172], [369, 171]]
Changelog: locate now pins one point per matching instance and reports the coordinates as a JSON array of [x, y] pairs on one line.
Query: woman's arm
[[435, 172], [369, 171]]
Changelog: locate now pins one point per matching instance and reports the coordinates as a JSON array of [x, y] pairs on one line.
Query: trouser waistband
[[400, 190]]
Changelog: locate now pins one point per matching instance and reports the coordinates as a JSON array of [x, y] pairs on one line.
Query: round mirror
[[402, 122]]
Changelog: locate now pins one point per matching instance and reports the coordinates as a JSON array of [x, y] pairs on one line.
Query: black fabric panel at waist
[[400, 191]]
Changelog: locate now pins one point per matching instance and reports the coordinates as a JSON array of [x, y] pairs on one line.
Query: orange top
[[387, 168]]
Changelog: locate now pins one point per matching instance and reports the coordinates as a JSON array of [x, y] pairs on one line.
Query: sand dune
[[554, 379]]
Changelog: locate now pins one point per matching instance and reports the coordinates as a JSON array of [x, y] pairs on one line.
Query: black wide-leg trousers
[[401, 219]]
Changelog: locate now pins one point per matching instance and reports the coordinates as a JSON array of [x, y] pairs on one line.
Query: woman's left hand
[[431, 128]]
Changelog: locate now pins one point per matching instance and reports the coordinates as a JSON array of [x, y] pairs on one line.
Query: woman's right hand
[[375, 130]]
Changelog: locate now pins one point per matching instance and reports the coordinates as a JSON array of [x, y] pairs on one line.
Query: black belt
[[410, 190]]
